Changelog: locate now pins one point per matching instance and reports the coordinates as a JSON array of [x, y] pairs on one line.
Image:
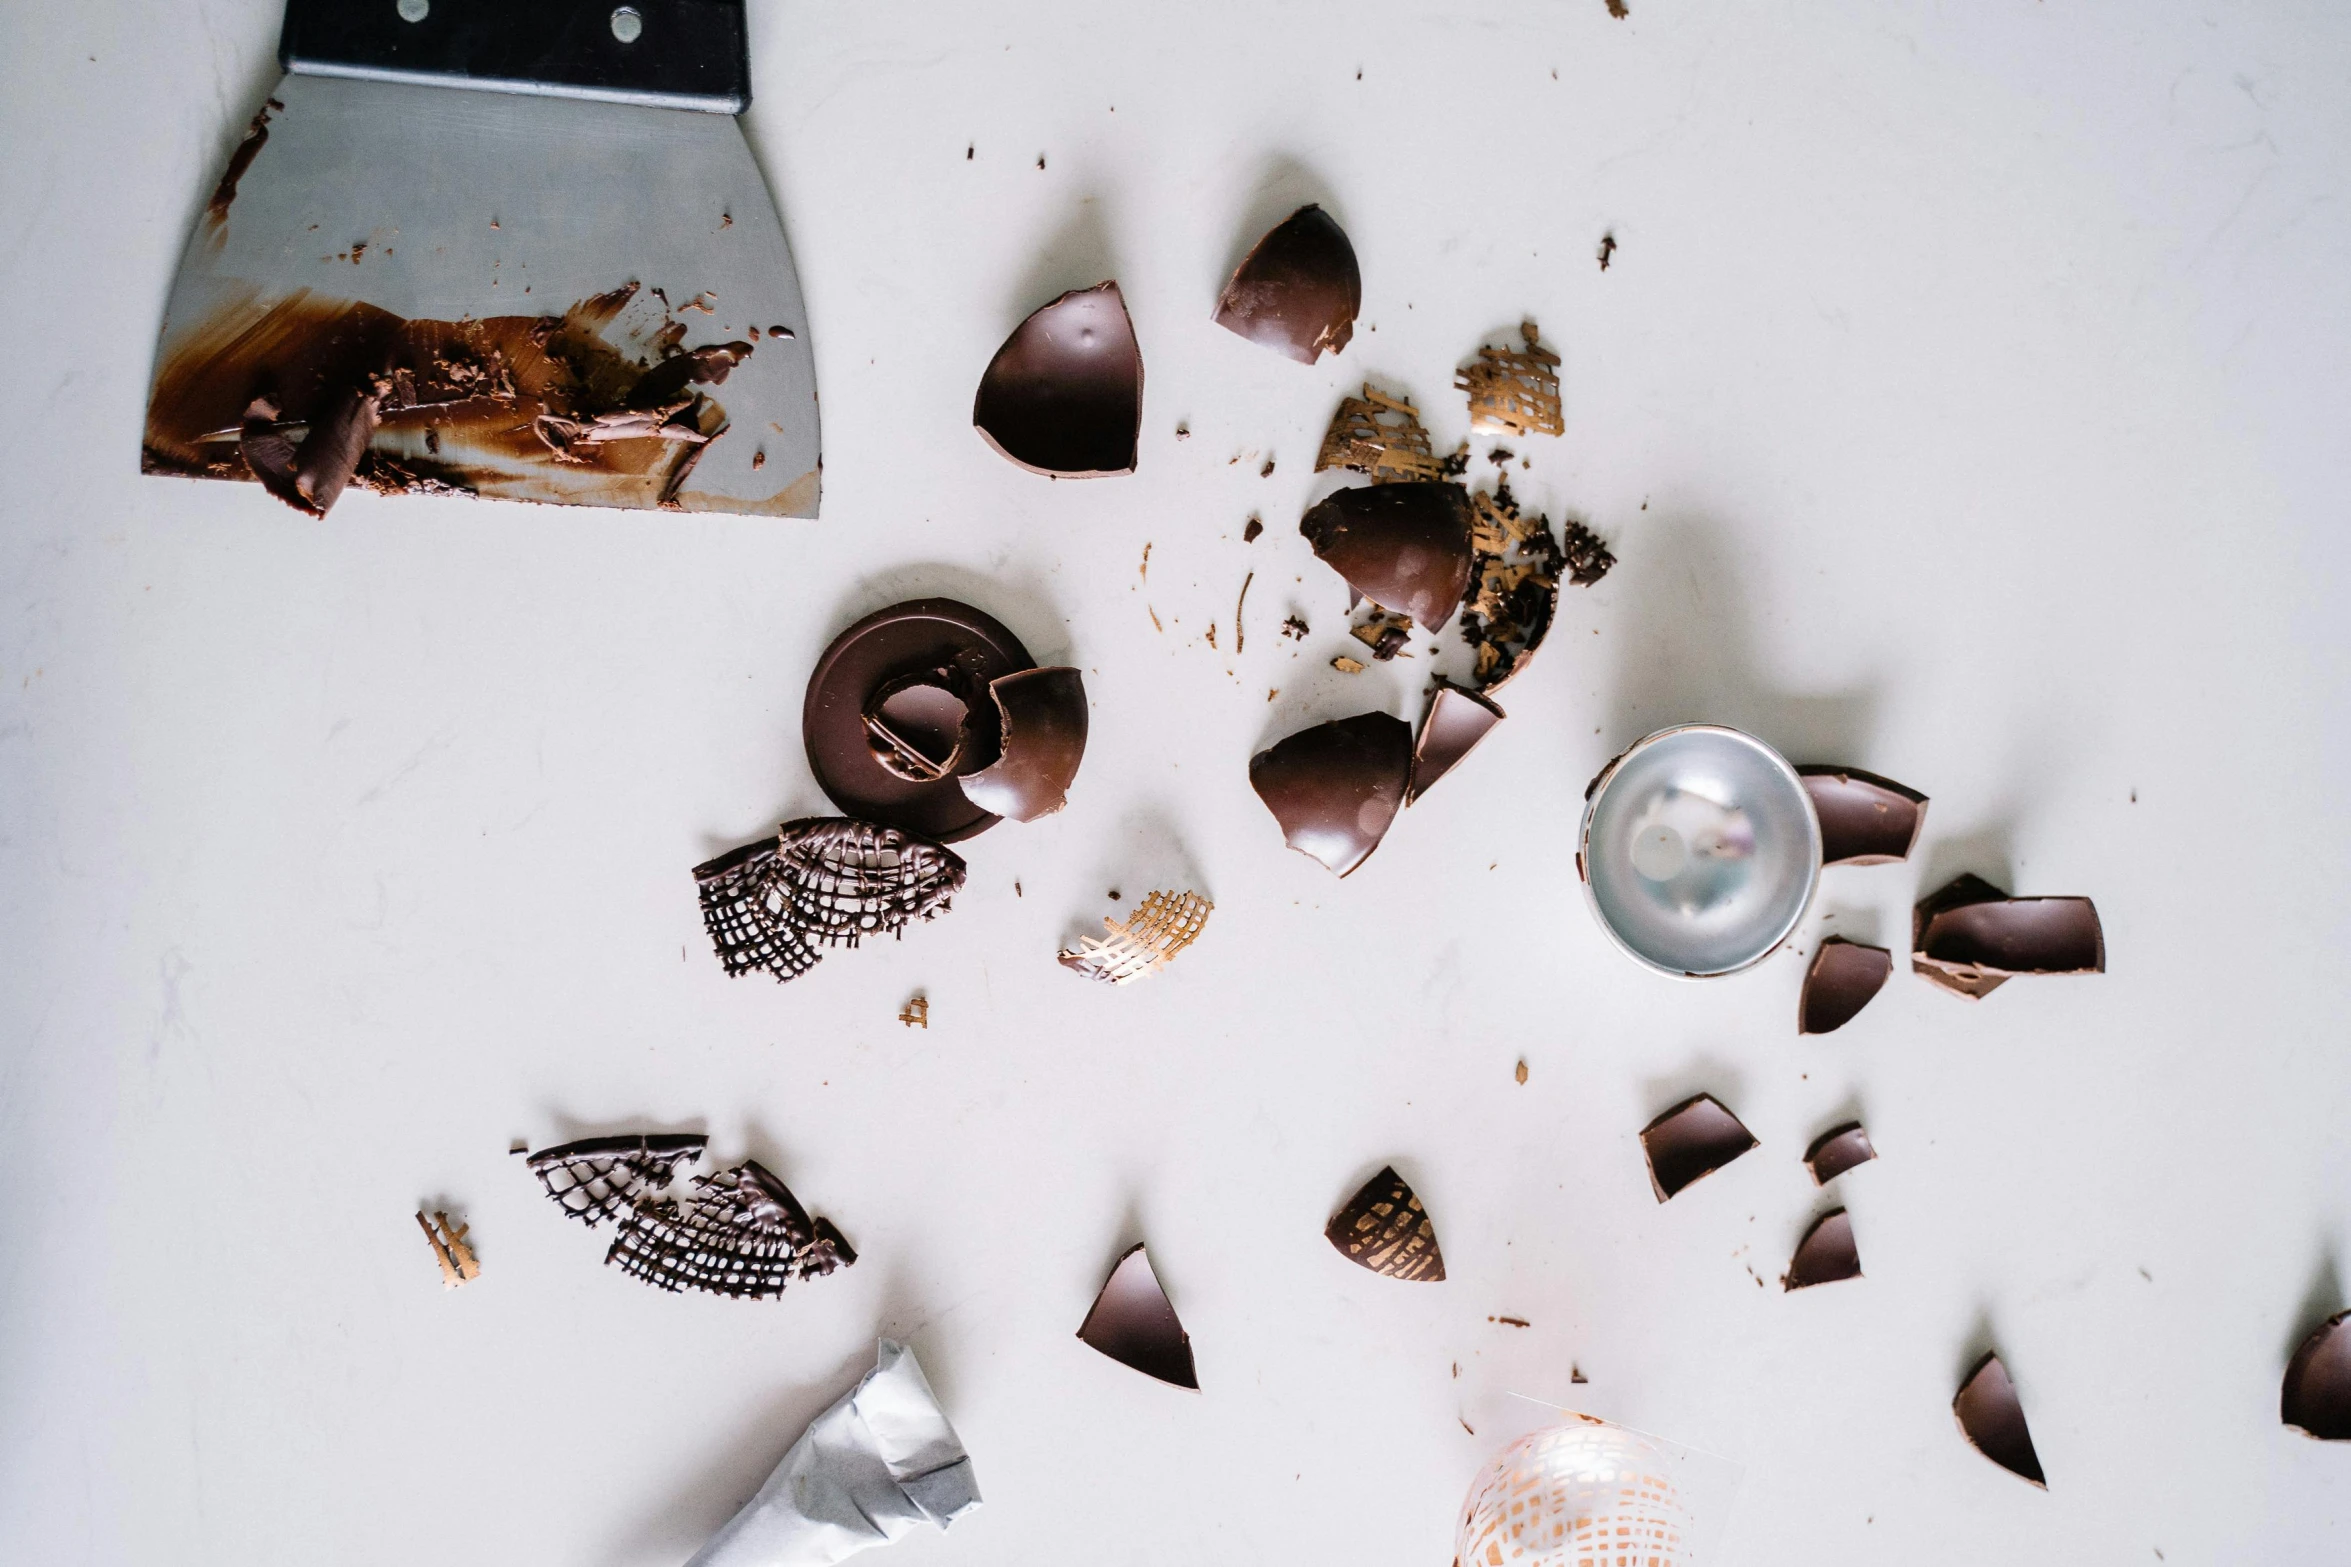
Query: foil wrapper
[[879, 1463]]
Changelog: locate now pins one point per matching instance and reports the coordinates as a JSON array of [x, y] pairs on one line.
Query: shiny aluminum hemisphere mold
[[1700, 850]]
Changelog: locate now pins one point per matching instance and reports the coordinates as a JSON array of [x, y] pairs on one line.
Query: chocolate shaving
[[224, 195], [1693, 1139], [1133, 1323], [1381, 436], [1825, 1255], [1844, 977], [1336, 788], [1405, 546], [1971, 938], [1514, 391], [1164, 924], [1451, 725], [1991, 1417], [1044, 739], [1384, 1228], [1837, 1150], [1864, 819], [1298, 289], [821, 882], [2316, 1396], [1064, 395]]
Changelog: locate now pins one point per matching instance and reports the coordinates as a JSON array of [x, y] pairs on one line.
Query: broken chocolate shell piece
[[1336, 788], [1380, 436], [1514, 391], [602, 1178], [1971, 938], [822, 882], [1043, 740], [1825, 1255], [1137, 948], [1864, 819], [1298, 291], [1451, 726], [1134, 1325], [1695, 1138], [1844, 977], [1514, 584], [1837, 1150], [1405, 546], [1384, 1228], [2317, 1394], [1993, 1420], [1064, 395]]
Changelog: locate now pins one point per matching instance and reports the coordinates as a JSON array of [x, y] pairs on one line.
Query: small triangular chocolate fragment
[[1450, 728], [1384, 1228], [1695, 1138], [1837, 1150], [1864, 819], [1134, 1325], [1845, 976], [1825, 1255], [1993, 1420]]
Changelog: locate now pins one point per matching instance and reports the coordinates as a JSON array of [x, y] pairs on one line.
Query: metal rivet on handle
[[414, 10], [627, 24]]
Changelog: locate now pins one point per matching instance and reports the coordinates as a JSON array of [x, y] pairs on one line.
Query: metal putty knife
[[516, 248]]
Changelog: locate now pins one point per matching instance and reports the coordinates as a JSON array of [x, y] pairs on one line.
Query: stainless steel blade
[[495, 214]]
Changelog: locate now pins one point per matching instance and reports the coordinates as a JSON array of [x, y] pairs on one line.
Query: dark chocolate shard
[[1971, 938], [1064, 395], [1403, 546], [1297, 292], [600, 1178], [1844, 977], [1695, 1138], [1336, 788], [1825, 1255], [2317, 1394], [1384, 1228], [821, 882], [1864, 819], [1451, 726], [1044, 739], [1134, 1325], [1837, 1150], [1993, 1420]]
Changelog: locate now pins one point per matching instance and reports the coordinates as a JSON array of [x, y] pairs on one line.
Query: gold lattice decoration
[[1137, 948], [1576, 1496], [456, 1258], [1513, 391], [1381, 436]]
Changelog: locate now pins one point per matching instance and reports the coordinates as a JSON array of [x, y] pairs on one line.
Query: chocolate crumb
[[1575, 1374], [1512, 1322], [1617, 10], [1256, 526], [1183, 432], [916, 1013], [1266, 472], [1522, 1071], [1347, 666], [1607, 249], [1295, 629]]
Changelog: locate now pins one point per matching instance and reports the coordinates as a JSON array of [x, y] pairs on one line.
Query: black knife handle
[[678, 53]]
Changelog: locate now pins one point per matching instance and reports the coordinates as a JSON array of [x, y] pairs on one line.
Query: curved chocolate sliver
[[1134, 1325], [1695, 1138], [1336, 787], [1406, 547], [1993, 1420], [1844, 977], [1451, 726], [1864, 819], [1298, 290], [1971, 938], [310, 477], [1064, 395], [2317, 1393], [1044, 712], [1384, 1228], [1837, 1150], [1825, 1255]]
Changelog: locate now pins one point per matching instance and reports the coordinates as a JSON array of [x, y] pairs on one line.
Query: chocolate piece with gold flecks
[[1384, 1228]]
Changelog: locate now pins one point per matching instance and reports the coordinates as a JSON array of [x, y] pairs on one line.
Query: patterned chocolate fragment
[[1514, 391], [822, 882], [1380, 436], [1384, 1228]]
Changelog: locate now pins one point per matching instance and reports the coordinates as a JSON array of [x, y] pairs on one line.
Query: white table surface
[[1966, 401]]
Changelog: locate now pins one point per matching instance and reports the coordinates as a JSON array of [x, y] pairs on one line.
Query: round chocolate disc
[[880, 714]]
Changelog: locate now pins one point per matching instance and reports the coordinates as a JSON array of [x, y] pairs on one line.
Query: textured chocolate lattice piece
[[1381, 436], [1513, 585], [827, 881], [737, 1232], [607, 1177], [1384, 1228], [1514, 391], [1137, 948]]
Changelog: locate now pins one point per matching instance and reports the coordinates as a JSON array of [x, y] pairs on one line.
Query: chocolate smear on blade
[[224, 194], [1864, 819], [1134, 1325], [2316, 1397], [1297, 292], [1143, 944], [1064, 395], [1971, 938], [1993, 1420], [1844, 977], [1837, 1150], [779, 904], [1694, 1139], [1825, 1255], [1451, 726], [1384, 1228], [1406, 547], [1336, 788], [1380, 436], [1044, 739], [1514, 391]]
